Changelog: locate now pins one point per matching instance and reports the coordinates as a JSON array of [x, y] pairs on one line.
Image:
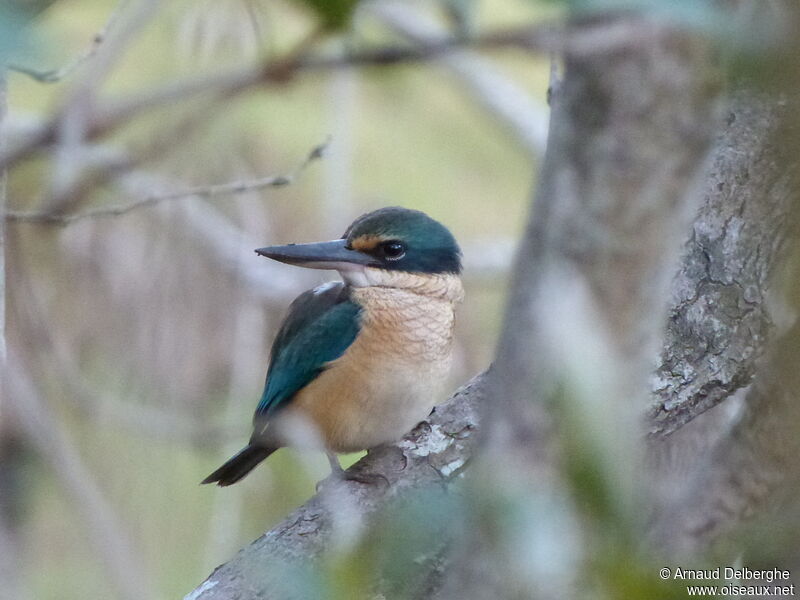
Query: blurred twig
[[581, 40], [11, 587], [207, 191], [495, 92], [3, 204], [249, 329], [586, 308], [10, 563], [101, 406], [342, 110], [77, 108], [56, 75], [224, 241], [101, 164]]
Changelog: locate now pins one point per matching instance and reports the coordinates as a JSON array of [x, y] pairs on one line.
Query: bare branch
[[501, 97], [56, 75], [3, 205], [496, 93], [208, 191], [433, 454], [9, 542], [750, 470], [581, 40], [101, 164]]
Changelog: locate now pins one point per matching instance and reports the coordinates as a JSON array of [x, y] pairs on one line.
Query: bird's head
[[378, 245]]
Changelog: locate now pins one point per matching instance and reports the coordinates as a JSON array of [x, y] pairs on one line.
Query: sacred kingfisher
[[358, 363]]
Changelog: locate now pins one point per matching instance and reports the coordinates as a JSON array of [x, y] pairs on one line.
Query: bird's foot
[[357, 476], [366, 478], [352, 474]]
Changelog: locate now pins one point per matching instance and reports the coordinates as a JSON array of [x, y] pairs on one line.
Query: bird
[[358, 363]]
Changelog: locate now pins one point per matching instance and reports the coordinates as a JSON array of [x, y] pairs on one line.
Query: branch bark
[[9, 542], [433, 454], [719, 317], [727, 307], [749, 472]]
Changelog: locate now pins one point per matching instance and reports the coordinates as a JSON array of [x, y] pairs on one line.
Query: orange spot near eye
[[367, 243]]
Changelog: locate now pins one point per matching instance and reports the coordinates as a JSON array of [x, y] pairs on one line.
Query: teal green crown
[[411, 241]]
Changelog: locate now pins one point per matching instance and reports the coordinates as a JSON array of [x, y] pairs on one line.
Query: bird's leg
[[336, 466], [338, 473]]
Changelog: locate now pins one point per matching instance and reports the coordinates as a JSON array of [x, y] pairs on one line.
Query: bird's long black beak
[[318, 255]]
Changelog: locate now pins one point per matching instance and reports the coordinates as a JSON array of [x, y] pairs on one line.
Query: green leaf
[[334, 15]]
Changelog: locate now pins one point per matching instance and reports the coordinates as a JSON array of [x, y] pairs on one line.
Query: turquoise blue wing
[[321, 325]]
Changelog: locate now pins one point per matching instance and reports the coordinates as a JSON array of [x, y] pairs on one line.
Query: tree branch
[[719, 315], [501, 97], [750, 471], [206, 191], [56, 75], [629, 133], [726, 309], [581, 40], [433, 454], [9, 542]]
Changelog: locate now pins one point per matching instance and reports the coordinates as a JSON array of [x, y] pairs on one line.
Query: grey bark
[[747, 473], [735, 465], [719, 316], [629, 134], [431, 455]]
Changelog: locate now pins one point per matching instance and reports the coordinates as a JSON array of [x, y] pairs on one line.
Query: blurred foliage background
[[151, 352]]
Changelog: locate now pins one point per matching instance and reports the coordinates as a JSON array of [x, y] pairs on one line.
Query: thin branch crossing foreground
[[207, 191]]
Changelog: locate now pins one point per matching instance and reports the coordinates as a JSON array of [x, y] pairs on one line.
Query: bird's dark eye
[[393, 250]]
